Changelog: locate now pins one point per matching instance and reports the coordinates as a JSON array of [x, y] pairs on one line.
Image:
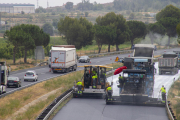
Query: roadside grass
[[13, 102], [174, 98]]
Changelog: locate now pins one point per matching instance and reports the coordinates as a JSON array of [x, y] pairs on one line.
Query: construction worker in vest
[[102, 77], [94, 77], [121, 82], [109, 92], [163, 93], [79, 85]]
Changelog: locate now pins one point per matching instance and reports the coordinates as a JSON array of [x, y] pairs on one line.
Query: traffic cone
[[50, 70]]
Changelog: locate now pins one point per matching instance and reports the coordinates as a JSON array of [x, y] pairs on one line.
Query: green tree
[[78, 32], [40, 10], [178, 32], [168, 11], [103, 34], [118, 24], [27, 37], [47, 28], [108, 20], [131, 16], [169, 17], [122, 30], [154, 28], [69, 5], [86, 14], [137, 30], [55, 23], [15, 36]]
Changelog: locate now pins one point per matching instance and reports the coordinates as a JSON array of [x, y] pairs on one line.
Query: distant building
[[17, 8]]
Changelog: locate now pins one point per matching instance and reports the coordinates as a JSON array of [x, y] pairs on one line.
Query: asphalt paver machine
[[137, 82], [100, 81]]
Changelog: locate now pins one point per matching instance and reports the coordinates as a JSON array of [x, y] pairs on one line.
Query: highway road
[[43, 72], [96, 109]]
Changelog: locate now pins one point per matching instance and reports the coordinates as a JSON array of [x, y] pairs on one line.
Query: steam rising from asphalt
[[158, 39]]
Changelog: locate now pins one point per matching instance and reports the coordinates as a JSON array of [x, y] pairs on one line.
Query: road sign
[[117, 59]]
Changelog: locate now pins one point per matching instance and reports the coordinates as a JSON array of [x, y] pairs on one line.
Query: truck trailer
[[58, 46], [63, 59], [3, 77], [168, 63]]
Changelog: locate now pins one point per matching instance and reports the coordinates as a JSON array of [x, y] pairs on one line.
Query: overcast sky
[[52, 3]]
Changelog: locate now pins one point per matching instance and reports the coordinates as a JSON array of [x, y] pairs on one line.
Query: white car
[[30, 76]]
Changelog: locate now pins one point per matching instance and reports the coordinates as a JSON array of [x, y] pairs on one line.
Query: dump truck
[[168, 63], [3, 77], [88, 83], [137, 82], [63, 59]]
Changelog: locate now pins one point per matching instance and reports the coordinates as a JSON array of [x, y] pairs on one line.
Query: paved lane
[[96, 109]]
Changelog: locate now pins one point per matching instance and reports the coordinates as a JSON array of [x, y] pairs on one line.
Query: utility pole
[[37, 4]]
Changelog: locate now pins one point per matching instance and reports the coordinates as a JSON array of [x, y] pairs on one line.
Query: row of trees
[[110, 29], [167, 20], [113, 29], [27, 37]]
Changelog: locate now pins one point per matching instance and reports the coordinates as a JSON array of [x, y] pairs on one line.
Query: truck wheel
[[67, 70], [75, 67]]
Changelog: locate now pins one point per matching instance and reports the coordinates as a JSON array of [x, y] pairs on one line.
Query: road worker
[[94, 77], [102, 77], [163, 93], [121, 82], [109, 93], [79, 85]]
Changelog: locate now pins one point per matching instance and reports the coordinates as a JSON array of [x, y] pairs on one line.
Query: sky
[[52, 3]]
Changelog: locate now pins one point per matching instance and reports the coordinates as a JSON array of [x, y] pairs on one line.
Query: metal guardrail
[[170, 111], [111, 53], [50, 109]]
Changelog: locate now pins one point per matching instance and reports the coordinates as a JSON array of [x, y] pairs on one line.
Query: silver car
[[30, 76], [84, 59]]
